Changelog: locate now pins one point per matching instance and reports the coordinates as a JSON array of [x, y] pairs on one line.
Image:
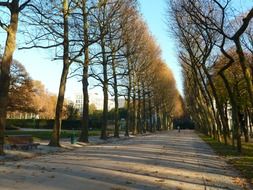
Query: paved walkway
[[163, 161]]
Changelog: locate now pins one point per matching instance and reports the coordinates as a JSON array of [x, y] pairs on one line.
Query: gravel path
[[169, 160]]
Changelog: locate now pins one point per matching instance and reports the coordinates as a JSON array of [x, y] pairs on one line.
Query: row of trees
[[216, 55], [103, 39]]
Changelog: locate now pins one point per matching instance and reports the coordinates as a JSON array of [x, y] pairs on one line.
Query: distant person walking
[[178, 129]]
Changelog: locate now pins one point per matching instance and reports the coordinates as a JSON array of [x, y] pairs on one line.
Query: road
[[169, 160]]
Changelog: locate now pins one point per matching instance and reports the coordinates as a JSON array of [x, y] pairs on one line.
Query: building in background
[[96, 99]]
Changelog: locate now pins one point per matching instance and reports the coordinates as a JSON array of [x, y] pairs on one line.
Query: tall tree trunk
[[250, 123], [158, 119], [144, 127], [204, 116], [84, 136], [235, 113], [128, 111], [205, 93], [129, 89], [245, 67], [244, 126], [165, 120], [55, 138], [134, 119], [139, 130], [115, 88], [10, 46], [150, 111], [105, 92], [219, 106]]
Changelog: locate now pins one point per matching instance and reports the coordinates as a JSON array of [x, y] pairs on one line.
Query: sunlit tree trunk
[[55, 138], [10, 46]]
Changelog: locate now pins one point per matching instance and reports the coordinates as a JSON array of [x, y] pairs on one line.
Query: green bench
[[24, 142]]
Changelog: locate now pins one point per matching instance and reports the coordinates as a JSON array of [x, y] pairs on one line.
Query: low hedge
[[49, 123]]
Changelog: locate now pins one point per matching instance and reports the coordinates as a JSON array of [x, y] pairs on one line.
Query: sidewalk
[[161, 161], [43, 148]]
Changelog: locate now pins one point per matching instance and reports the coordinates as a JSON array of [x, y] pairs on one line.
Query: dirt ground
[[168, 160]]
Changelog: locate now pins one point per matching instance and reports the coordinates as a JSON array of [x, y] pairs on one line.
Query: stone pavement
[[168, 160]]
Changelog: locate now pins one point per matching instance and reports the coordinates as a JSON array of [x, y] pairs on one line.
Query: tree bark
[[55, 138], [219, 105], [250, 123], [158, 119], [144, 126], [164, 119], [244, 126], [10, 46], [139, 130], [115, 88], [105, 92], [245, 68], [246, 72], [128, 111], [150, 112], [134, 113], [84, 136], [208, 102], [235, 113], [129, 89]]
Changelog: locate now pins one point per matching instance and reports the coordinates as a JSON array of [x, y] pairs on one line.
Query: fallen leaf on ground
[[239, 181]]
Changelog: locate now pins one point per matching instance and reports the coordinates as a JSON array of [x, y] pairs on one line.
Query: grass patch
[[219, 148], [245, 165], [242, 162], [45, 135]]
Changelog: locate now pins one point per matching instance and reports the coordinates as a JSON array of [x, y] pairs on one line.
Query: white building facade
[[96, 99]]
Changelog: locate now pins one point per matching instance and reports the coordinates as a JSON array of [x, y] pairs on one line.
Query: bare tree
[[50, 25], [11, 28]]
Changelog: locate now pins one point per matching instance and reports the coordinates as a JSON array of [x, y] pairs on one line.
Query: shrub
[[94, 123]]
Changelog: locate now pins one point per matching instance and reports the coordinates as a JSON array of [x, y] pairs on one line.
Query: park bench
[[23, 142]]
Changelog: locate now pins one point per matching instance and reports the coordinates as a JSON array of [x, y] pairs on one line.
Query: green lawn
[[45, 135], [243, 162]]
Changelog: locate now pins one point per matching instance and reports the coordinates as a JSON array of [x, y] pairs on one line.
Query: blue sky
[[155, 14]]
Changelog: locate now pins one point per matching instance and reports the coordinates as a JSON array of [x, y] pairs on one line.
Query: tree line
[[106, 40], [215, 50], [29, 98]]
